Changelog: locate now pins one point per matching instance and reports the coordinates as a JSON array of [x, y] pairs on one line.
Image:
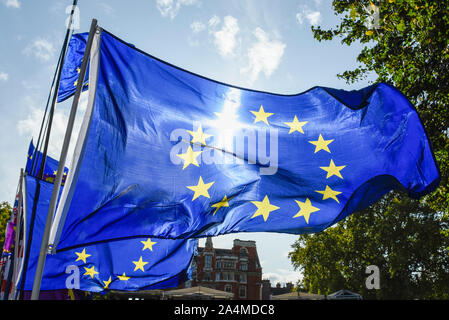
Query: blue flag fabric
[[32, 167], [131, 264], [72, 67], [173, 154]]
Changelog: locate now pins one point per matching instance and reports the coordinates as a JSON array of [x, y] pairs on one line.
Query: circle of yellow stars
[[264, 208], [139, 265]]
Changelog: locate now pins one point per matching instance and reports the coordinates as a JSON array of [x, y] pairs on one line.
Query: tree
[[406, 44], [5, 215], [398, 235]]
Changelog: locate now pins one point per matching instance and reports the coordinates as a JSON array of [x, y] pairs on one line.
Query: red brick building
[[235, 270]]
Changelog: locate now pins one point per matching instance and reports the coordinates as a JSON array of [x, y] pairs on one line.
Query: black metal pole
[[55, 94], [36, 149]]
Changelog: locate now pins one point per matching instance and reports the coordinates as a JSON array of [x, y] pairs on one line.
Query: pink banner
[[9, 237]]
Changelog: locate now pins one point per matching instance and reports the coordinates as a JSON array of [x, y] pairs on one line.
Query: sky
[[259, 44]]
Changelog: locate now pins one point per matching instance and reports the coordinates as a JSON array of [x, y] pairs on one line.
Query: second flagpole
[[62, 159]]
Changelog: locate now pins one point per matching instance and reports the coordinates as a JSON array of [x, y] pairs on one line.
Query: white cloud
[[41, 49], [264, 55], [214, 21], [312, 17], [4, 76], [170, 8], [225, 39], [282, 276], [84, 99], [107, 8], [300, 18], [31, 125], [12, 3], [197, 26]]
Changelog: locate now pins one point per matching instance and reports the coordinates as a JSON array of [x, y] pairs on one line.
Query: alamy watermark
[[373, 280], [73, 279], [243, 145]]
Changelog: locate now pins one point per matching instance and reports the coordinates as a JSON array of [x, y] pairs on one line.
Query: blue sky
[[260, 44]]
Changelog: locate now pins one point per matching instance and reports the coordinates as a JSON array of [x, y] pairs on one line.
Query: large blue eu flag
[[167, 153], [129, 264], [34, 162]]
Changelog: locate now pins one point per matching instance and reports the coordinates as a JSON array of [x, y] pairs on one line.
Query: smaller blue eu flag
[[72, 67], [131, 264], [33, 165]]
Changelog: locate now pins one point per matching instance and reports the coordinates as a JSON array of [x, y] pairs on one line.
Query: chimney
[[209, 244]]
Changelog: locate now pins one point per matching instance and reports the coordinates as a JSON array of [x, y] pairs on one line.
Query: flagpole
[[62, 159], [17, 235], [36, 150], [55, 94]]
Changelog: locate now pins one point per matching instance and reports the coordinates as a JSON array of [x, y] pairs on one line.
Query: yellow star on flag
[[148, 244], [199, 136], [75, 83], [78, 70], [201, 189], [139, 264], [90, 272], [306, 209], [261, 115], [264, 208], [321, 144], [189, 157], [123, 277], [221, 204], [295, 125], [82, 255], [333, 170], [107, 283], [329, 193]]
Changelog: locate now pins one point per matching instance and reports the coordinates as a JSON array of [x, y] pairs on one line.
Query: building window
[[243, 252], [243, 277], [243, 266], [207, 276], [208, 261], [229, 265], [218, 265], [242, 292], [228, 288], [228, 276], [217, 276]]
